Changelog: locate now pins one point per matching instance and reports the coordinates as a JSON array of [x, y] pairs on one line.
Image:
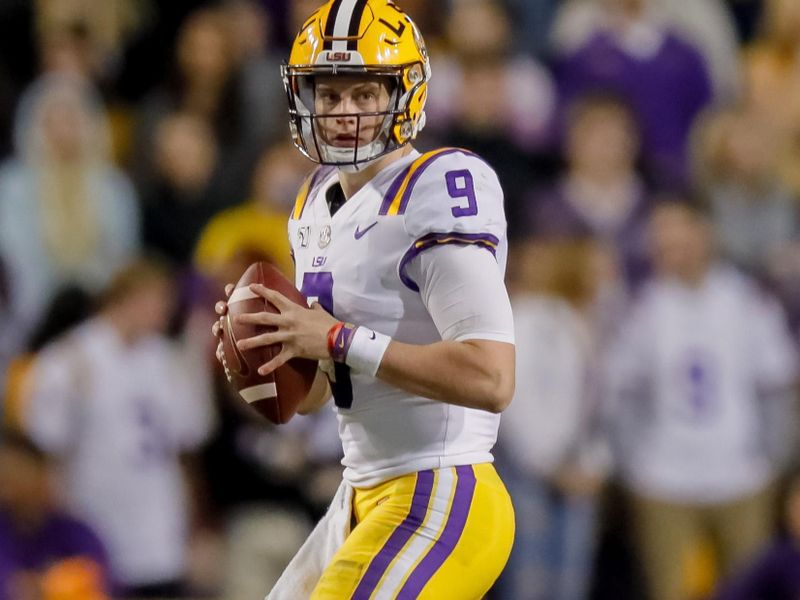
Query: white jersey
[[119, 415], [693, 368], [358, 265]]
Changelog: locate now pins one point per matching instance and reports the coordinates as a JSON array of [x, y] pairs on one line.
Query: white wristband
[[366, 351]]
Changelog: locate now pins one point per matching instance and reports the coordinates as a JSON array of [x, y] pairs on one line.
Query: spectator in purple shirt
[[664, 78], [775, 573], [41, 547]]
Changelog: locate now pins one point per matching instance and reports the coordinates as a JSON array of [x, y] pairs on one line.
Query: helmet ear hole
[[415, 74]]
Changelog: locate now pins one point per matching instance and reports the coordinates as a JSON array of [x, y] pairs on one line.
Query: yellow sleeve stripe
[[458, 239], [485, 240], [398, 195], [302, 197]]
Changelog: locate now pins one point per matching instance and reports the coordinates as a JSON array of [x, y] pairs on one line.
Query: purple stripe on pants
[[444, 546], [399, 537]]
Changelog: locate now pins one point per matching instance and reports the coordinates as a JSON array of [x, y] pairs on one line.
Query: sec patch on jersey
[[275, 396]]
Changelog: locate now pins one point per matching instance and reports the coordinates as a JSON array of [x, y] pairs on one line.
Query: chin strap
[[343, 157]]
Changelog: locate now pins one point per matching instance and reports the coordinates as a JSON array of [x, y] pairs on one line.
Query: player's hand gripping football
[[221, 308], [302, 332]]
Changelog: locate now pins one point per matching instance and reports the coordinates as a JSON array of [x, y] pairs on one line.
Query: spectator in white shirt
[[119, 404], [702, 375]]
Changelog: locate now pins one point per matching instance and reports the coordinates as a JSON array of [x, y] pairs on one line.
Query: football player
[[402, 256]]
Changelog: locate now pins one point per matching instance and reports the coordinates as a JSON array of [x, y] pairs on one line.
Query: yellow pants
[[443, 534]]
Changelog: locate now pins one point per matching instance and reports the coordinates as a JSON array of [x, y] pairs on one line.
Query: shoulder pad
[[449, 190], [310, 185]]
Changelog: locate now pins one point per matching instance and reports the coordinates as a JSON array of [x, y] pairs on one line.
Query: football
[[275, 396]]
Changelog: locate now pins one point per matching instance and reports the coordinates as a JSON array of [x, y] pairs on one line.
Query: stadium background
[[142, 128]]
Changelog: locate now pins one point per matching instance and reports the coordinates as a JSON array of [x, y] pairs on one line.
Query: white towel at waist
[[305, 569]]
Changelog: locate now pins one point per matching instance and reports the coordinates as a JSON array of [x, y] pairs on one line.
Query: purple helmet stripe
[[485, 240], [444, 546], [399, 537]]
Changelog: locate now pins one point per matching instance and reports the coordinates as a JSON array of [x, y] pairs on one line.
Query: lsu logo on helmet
[[358, 37]]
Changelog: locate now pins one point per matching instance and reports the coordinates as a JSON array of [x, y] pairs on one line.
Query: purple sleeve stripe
[[399, 193], [399, 537], [444, 546], [418, 173], [393, 189], [485, 240]]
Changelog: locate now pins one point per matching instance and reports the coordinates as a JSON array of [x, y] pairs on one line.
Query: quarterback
[[402, 256]]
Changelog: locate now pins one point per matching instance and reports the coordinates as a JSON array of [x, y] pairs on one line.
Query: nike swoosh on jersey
[[359, 233]]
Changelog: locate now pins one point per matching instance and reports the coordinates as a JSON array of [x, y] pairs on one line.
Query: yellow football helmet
[[374, 38]]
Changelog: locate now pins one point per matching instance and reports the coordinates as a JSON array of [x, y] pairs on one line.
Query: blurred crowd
[[650, 155]]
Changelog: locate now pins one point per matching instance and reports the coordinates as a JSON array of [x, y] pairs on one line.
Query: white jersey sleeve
[[458, 200], [456, 258], [463, 290]]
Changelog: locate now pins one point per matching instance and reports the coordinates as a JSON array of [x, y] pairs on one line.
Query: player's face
[[338, 102]]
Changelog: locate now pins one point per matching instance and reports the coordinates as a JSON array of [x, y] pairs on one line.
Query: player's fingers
[[221, 307], [276, 362], [215, 329], [219, 352], [259, 318], [262, 339], [228, 290], [277, 299]]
